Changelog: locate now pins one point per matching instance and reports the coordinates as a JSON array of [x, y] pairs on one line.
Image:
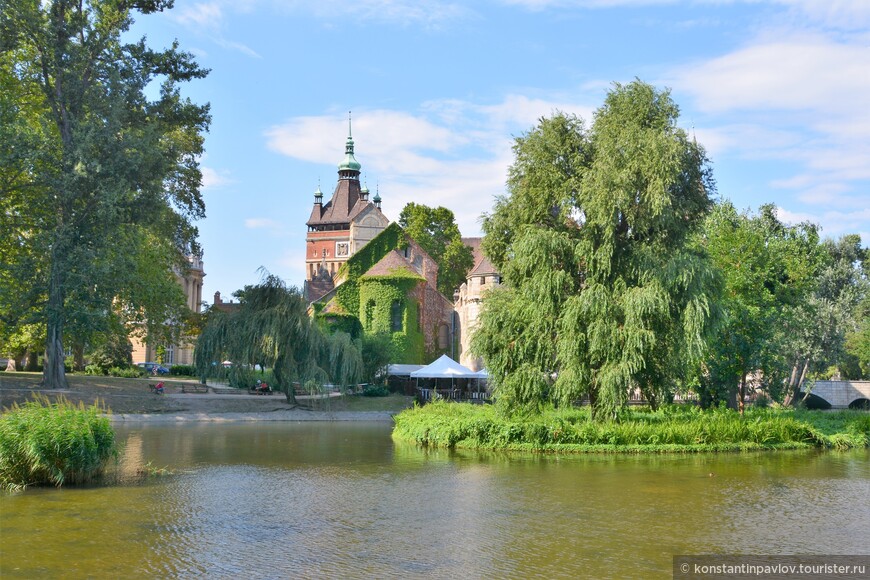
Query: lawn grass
[[671, 429], [357, 403]]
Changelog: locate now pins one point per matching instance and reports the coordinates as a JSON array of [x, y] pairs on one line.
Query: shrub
[[45, 443], [183, 370], [126, 372], [94, 370], [375, 391]]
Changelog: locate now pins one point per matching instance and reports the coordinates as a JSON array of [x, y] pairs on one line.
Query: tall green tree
[[90, 166], [436, 231], [602, 293], [769, 271]]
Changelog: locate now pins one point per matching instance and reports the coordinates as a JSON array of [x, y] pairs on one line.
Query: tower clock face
[[342, 249]]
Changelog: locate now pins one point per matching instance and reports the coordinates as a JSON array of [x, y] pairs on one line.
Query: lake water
[[339, 500]]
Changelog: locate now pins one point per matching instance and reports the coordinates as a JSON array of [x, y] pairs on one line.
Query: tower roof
[[349, 163], [349, 199]]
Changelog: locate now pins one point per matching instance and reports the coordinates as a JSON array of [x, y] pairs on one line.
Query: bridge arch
[[861, 404], [841, 394]]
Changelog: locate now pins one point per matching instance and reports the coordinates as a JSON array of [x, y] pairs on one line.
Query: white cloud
[[212, 178], [208, 19], [453, 153], [833, 223], [205, 15], [430, 13], [798, 97]]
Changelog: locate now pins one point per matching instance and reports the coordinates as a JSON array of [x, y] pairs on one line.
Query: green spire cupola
[[349, 167]]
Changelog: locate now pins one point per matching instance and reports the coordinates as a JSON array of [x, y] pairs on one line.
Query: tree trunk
[[53, 375], [741, 394], [796, 381]]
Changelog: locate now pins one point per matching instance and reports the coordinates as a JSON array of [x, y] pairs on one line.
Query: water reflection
[[342, 500]]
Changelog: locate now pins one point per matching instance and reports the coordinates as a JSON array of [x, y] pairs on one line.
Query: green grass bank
[[668, 430], [53, 443]]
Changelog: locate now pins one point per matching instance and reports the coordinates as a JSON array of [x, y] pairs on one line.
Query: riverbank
[[674, 429], [131, 400]]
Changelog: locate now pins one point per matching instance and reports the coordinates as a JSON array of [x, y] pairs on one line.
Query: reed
[[53, 443], [670, 429]]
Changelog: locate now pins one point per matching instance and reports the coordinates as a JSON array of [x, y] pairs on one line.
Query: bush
[[183, 370], [126, 372], [375, 391], [45, 443], [92, 369]]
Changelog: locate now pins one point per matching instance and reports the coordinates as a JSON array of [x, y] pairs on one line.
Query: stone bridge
[[842, 394]]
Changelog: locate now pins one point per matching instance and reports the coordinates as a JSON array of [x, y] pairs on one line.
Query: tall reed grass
[[53, 443], [671, 429]]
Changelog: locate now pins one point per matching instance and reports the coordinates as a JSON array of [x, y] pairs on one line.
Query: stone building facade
[[341, 227], [182, 352], [467, 302]]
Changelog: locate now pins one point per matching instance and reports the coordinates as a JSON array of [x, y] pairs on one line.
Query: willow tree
[[271, 328], [89, 164], [602, 294]]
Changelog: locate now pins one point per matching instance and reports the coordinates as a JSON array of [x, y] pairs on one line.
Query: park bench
[[194, 388]]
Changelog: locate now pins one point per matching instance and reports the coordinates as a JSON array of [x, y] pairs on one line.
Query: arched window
[[443, 336], [397, 311]]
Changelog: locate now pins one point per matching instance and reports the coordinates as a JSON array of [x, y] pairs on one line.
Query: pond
[[276, 500]]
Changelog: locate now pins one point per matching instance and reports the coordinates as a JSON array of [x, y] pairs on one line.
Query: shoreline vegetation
[[671, 429], [44, 442]]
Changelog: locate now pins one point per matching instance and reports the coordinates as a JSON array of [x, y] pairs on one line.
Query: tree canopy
[[602, 293], [271, 327], [99, 184], [436, 231]]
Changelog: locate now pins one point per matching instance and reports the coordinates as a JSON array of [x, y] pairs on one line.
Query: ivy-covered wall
[[365, 302], [376, 298]]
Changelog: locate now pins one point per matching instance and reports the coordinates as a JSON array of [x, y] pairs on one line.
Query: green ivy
[[381, 291], [391, 238], [337, 322]]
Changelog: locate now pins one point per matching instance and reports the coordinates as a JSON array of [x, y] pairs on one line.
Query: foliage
[[769, 271], [436, 231], [601, 290], [125, 372], [271, 327], [376, 296], [115, 352], [375, 391], [183, 370], [98, 182], [377, 352], [44, 443], [669, 429]]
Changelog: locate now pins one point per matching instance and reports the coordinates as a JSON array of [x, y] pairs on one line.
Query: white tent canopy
[[444, 368]]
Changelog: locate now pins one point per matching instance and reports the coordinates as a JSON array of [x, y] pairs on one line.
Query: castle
[[364, 274]]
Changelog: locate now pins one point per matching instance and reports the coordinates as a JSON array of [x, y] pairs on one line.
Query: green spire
[[350, 163]]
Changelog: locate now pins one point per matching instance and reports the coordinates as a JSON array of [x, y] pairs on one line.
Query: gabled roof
[[482, 265], [390, 264]]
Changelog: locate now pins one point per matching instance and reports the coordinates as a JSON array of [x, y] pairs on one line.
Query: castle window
[[443, 336], [396, 315]]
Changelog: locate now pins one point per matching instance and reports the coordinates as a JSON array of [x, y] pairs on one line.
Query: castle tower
[[343, 225]]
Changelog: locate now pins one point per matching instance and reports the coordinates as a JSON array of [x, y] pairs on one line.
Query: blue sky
[[778, 91]]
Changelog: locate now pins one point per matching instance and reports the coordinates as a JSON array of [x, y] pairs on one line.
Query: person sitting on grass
[[158, 388]]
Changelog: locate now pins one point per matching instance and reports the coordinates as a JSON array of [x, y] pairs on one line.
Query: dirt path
[[132, 400]]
